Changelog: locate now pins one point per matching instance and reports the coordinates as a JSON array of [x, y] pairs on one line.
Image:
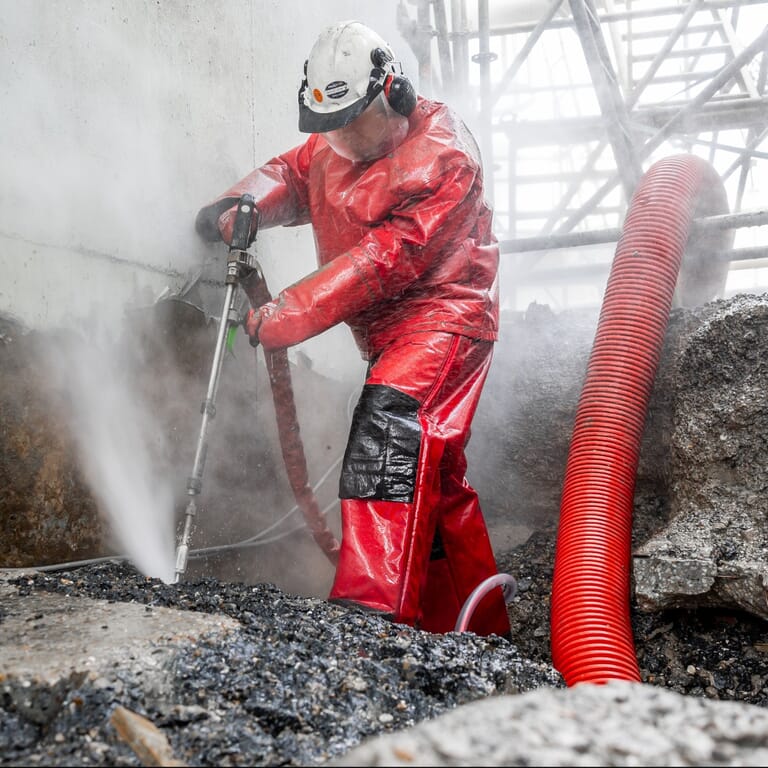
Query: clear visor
[[371, 135]]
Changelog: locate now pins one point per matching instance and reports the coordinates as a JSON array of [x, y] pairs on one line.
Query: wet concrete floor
[[45, 637]]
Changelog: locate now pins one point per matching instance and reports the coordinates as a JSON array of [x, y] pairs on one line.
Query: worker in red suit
[[392, 185]]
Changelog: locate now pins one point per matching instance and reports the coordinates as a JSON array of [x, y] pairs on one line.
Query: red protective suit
[[409, 261]]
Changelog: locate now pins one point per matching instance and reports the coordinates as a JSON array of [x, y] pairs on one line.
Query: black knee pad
[[382, 453]]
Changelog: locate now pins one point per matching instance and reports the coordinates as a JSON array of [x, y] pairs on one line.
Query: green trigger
[[231, 333]]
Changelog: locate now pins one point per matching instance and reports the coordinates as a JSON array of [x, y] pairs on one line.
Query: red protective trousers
[[418, 557]]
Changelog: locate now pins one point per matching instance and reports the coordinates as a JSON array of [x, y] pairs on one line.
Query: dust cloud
[[125, 122], [118, 446]]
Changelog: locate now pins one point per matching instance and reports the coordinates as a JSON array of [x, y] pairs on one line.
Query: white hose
[[503, 580]]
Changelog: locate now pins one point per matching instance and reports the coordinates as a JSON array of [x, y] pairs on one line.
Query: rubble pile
[[298, 682]]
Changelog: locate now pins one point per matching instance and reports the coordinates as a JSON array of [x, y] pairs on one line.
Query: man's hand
[[226, 223], [252, 323], [210, 223]]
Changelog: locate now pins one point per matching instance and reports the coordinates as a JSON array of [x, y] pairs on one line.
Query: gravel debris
[[303, 682], [711, 653], [300, 682]]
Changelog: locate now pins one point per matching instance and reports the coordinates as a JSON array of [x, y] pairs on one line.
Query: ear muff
[[400, 94], [398, 89]]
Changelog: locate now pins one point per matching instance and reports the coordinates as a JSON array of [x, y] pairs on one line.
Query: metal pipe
[[612, 235], [443, 46], [460, 51], [631, 101], [484, 57], [738, 259], [606, 18], [208, 410], [663, 52], [613, 108]]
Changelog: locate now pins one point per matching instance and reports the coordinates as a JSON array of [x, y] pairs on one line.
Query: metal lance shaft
[[239, 263], [208, 409]]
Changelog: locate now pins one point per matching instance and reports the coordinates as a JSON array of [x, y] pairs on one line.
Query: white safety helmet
[[348, 66]]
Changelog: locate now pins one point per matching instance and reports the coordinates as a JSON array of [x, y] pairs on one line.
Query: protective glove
[[217, 220], [207, 221], [251, 325], [226, 223]]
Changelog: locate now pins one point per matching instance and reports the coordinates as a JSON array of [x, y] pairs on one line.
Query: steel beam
[[522, 54], [635, 94], [673, 124], [712, 116], [607, 18], [608, 93]]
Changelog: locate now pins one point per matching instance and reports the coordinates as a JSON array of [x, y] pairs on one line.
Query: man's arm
[[279, 189], [385, 263]]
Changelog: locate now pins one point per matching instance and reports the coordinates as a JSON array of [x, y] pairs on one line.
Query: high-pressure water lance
[[240, 265], [244, 272]]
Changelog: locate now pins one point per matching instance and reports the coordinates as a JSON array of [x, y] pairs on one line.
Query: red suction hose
[[591, 633], [294, 459]]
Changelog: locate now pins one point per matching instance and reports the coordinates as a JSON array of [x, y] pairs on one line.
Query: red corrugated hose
[[591, 632]]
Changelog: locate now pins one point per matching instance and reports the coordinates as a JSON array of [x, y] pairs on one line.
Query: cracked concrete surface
[[47, 638]]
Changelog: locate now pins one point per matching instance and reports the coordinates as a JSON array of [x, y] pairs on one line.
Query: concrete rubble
[[95, 661], [711, 550], [211, 673], [617, 724]]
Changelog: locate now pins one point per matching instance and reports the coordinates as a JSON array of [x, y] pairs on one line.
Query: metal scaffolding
[[573, 100]]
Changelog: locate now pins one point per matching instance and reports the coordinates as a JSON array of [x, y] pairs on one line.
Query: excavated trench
[[263, 676]]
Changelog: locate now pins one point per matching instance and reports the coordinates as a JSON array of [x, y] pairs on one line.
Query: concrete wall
[[119, 120]]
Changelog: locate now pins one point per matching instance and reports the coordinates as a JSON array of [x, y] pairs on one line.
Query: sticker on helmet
[[338, 89], [317, 93]]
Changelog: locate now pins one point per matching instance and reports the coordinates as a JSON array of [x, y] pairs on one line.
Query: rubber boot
[[467, 561], [462, 556]]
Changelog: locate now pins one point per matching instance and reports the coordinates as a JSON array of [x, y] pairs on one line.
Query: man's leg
[[400, 481], [462, 556], [389, 490]]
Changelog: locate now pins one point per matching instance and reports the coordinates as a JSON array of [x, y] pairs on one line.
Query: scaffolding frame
[[661, 77]]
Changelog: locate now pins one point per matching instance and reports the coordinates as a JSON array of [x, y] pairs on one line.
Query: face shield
[[375, 132]]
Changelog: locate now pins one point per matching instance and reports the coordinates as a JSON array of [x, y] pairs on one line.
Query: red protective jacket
[[404, 243]]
